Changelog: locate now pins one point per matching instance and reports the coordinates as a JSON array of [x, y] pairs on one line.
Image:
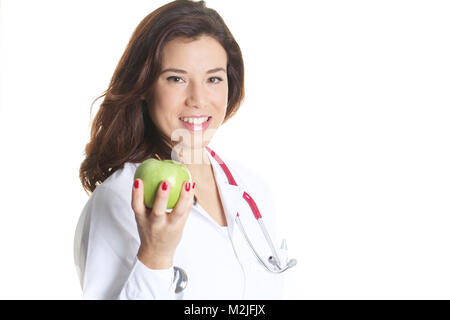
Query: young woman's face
[[191, 92]]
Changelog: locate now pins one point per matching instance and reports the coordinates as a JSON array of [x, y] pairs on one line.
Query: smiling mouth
[[196, 123], [195, 120]]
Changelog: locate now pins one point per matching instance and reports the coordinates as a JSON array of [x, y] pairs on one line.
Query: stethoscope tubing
[[181, 275], [269, 241], [277, 264], [275, 259]]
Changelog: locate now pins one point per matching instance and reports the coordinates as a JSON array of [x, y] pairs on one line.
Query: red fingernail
[[187, 186], [136, 183], [193, 186], [164, 186]]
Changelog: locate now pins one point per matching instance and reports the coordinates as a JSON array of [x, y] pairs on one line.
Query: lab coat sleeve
[[112, 269]]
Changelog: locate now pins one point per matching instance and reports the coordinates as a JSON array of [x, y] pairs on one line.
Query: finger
[[137, 198], [184, 203], [162, 196]]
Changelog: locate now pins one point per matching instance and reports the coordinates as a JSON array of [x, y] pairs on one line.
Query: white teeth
[[195, 120]]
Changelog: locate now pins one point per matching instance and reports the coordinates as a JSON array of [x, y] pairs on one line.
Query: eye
[[215, 79], [174, 79]]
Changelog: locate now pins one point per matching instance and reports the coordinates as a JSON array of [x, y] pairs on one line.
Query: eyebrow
[[183, 71]]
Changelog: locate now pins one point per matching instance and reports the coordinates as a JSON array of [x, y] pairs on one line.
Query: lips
[[194, 123]]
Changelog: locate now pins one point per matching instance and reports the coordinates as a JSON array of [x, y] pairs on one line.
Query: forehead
[[203, 52]]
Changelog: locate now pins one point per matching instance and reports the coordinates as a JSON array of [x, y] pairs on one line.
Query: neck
[[197, 161]]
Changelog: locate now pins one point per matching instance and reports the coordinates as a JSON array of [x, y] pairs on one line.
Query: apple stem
[[156, 155]]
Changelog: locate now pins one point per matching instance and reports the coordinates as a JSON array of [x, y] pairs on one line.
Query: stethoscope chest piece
[[182, 279]]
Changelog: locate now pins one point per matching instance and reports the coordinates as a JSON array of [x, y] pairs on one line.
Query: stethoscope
[[275, 265]]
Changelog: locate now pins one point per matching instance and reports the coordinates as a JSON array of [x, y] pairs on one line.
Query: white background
[[346, 114]]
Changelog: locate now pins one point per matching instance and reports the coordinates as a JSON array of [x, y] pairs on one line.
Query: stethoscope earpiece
[[292, 263]]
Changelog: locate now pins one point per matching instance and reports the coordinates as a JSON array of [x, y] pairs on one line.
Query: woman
[[180, 78]]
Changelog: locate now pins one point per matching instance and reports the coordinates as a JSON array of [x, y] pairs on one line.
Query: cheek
[[165, 103], [222, 101], [219, 95], [165, 98]]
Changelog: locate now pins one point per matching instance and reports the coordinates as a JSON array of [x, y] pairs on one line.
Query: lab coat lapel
[[230, 195]]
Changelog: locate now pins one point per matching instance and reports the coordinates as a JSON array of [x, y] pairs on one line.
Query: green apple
[[152, 172]]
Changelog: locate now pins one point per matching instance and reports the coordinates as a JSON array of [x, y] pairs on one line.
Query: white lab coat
[[217, 260]]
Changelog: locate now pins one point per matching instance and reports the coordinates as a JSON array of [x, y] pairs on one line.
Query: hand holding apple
[[160, 232]]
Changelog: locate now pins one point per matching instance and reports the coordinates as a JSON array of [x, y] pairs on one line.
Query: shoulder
[[109, 206], [120, 182], [115, 192], [251, 181], [247, 175]]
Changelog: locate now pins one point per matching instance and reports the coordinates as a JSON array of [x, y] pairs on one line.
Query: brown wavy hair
[[122, 130]]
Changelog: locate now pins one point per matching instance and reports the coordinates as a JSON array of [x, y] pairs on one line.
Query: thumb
[[137, 198]]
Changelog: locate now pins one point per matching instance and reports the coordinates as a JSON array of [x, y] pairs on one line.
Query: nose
[[196, 95]]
